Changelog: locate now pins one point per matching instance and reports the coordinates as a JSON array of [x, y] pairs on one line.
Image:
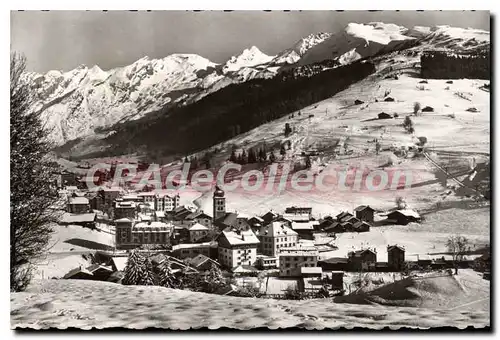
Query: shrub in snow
[[416, 107], [428, 109], [452, 115], [472, 109], [358, 102]]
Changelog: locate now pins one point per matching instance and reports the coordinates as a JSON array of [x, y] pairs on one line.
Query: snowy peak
[[250, 57], [293, 54], [378, 32]]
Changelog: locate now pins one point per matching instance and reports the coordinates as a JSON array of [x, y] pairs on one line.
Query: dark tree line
[[441, 65], [235, 108]]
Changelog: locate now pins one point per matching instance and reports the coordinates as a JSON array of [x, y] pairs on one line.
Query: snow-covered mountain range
[[79, 102]]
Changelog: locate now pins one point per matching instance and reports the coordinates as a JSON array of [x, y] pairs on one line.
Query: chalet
[[343, 216], [305, 230], [383, 115], [291, 260], [237, 247], [333, 227], [231, 220], [198, 232], [364, 213], [87, 220], [483, 263], [360, 227], [298, 214], [396, 257], [100, 272], [403, 216], [255, 222], [362, 260], [78, 205], [198, 217], [202, 263], [244, 269], [267, 262], [311, 279], [275, 236], [79, 273], [424, 260], [334, 263], [284, 221], [269, 217], [176, 265], [182, 251], [180, 213]]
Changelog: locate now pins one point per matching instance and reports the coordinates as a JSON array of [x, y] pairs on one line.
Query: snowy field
[[58, 303]]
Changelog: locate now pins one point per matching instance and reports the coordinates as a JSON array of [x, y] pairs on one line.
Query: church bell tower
[[219, 203]]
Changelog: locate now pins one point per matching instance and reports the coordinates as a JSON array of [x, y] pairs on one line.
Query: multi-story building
[[183, 251], [131, 234], [298, 214], [291, 260], [237, 247], [125, 209], [276, 236], [164, 202]]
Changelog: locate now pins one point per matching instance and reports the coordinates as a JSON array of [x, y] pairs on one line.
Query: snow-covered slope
[[357, 41]]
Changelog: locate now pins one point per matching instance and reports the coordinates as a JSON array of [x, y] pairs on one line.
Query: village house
[[202, 263], [183, 251], [180, 213], [362, 260], [403, 216], [334, 264], [232, 220], [364, 213], [276, 236], [298, 214], [344, 215], [305, 230], [312, 279], [396, 257], [198, 232], [360, 227], [292, 259], [197, 217], [266, 262], [87, 220], [78, 205], [237, 247], [269, 217]]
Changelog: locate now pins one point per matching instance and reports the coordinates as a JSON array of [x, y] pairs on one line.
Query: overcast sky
[[62, 40]]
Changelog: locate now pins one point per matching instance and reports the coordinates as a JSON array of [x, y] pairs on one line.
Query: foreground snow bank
[[86, 304]]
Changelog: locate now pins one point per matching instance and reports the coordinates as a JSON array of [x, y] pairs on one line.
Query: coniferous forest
[[441, 65]]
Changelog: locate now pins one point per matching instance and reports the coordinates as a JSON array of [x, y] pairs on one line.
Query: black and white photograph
[[250, 170]]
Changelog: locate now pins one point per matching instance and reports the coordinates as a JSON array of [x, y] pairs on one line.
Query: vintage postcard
[[250, 169]]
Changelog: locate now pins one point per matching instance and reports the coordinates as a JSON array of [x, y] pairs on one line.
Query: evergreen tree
[[32, 194], [282, 150], [288, 130], [308, 162], [252, 157], [135, 269], [149, 277], [233, 158], [214, 279], [272, 157], [244, 157]]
